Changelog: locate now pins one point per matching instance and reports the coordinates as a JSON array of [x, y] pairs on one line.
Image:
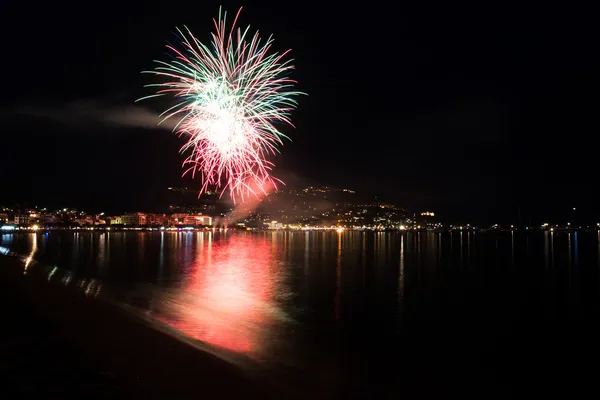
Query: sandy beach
[[58, 343]]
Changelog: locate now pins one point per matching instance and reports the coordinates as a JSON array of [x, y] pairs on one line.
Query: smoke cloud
[[244, 208], [91, 112]]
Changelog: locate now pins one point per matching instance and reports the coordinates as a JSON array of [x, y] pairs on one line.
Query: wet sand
[[58, 343]]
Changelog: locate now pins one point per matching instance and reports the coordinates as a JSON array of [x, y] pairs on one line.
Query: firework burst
[[229, 98]]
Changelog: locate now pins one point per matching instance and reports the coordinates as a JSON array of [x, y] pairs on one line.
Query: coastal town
[[311, 208], [308, 208]]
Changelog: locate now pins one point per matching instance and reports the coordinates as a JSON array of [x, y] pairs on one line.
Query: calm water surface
[[342, 315]]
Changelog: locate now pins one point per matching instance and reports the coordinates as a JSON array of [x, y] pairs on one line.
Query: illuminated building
[[156, 219], [21, 219], [85, 220], [135, 219], [191, 219], [198, 220], [275, 225], [47, 219]]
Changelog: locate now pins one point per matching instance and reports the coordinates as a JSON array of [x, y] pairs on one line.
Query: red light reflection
[[227, 294]]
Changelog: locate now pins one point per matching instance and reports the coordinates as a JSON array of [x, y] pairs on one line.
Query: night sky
[[471, 112]]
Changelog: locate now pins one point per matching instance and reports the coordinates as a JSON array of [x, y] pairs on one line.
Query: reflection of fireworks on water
[[229, 98], [228, 300]]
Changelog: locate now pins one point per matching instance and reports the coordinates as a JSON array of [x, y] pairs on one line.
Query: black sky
[[472, 112]]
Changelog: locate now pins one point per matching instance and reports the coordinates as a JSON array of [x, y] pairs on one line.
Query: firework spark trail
[[229, 99]]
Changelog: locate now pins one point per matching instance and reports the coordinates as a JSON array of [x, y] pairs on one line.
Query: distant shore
[[58, 343], [103, 228]]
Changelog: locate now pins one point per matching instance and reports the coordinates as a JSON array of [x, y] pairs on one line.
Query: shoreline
[[121, 353], [104, 229]]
